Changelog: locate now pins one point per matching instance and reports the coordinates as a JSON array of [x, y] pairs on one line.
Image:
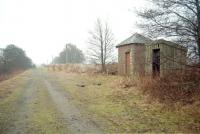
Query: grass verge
[[10, 92], [124, 109]]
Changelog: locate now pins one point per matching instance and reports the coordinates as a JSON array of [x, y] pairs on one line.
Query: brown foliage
[[83, 68], [179, 86], [126, 82], [112, 68], [75, 68]]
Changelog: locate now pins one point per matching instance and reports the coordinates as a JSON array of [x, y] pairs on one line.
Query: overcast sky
[[43, 27]]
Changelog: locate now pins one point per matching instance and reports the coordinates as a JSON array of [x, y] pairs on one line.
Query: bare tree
[[101, 45], [175, 19]]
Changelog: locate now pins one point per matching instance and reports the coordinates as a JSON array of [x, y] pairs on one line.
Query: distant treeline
[[13, 58], [70, 54]]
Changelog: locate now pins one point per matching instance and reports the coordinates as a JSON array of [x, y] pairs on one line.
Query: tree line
[[70, 54], [13, 58]]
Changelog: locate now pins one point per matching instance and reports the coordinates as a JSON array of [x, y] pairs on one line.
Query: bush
[[179, 86]]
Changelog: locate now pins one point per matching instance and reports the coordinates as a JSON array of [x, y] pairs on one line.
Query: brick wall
[[121, 58], [137, 59]]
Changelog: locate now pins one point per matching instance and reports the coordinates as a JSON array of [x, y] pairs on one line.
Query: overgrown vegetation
[[177, 87], [119, 104]]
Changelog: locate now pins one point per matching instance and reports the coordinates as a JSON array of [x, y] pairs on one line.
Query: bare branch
[[101, 44]]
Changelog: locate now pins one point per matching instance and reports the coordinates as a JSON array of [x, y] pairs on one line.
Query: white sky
[[43, 27]]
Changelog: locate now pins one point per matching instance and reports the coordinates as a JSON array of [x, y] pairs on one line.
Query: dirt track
[[45, 102], [39, 105]]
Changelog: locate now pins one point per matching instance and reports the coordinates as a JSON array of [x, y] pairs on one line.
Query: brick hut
[[139, 55]]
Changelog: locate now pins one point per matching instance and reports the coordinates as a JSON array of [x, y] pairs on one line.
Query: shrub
[[179, 86]]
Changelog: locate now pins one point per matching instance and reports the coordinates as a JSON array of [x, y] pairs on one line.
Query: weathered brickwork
[[137, 59], [172, 57], [121, 59]]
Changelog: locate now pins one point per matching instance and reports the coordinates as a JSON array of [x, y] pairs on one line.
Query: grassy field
[[126, 109]]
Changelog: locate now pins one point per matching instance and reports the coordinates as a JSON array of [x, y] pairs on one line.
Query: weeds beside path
[[124, 109], [39, 101]]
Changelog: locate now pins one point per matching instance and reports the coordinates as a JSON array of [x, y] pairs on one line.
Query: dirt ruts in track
[[77, 123], [40, 90], [23, 110]]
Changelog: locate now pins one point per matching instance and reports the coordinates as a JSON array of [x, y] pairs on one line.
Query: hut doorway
[[156, 62], [127, 63]]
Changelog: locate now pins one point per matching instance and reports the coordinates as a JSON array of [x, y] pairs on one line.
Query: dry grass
[[83, 68], [125, 82], [75, 68], [112, 68], [121, 106], [8, 84], [10, 75], [177, 87], [163, 105]]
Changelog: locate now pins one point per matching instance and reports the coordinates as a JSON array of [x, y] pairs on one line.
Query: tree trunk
[[102, 57], [198, 53], [198, 30], [103, 68]]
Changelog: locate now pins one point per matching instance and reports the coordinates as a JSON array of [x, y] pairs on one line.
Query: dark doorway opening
[[127, 63], [156, 62]]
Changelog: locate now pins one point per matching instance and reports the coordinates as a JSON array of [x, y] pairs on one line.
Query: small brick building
[[139, 55]]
